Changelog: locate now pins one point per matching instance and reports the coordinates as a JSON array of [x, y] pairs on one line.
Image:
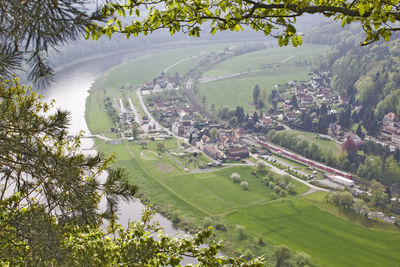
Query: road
[[153, 121]]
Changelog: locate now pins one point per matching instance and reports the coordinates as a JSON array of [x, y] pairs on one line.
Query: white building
[[341, 180]]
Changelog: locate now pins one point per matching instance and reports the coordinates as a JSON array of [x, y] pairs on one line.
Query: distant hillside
[[368, 75]]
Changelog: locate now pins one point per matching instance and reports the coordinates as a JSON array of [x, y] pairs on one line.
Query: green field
[[331, 240], [184, 67], [144, 69], [284, 55], [331, 236], [238, 90]]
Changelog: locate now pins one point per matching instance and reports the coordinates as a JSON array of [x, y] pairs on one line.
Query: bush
[[235, 175], [244, 185], [220, 227], [241, 231]]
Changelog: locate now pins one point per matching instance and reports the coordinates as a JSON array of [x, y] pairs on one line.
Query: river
[[70, 91]]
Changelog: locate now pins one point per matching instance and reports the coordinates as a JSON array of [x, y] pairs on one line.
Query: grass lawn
[[330, 240]]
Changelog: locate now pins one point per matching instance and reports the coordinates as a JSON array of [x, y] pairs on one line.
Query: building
[[237, 153], [341, 180], [240, 133], [205, 140], [291, 116], [213, 152], [306, 100], [390, 119]]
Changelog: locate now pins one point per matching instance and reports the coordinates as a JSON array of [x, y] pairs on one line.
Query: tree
[[160, 147], [244, 185], [143, 243], [30, 29], [378, 195], [143, 143], [135, 130], [377, 18], [261, 166], [282, 255], [256, 94], [213, 133], [359, 131], [294, 101], [48, 186], [323, 109], [302, 259], [212, 106], [190, 138], [349, 146]]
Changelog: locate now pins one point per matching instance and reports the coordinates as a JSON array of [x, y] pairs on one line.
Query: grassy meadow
[[239, 90], [332, 236]]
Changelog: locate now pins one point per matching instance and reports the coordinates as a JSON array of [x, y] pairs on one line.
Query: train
[[306, 161]]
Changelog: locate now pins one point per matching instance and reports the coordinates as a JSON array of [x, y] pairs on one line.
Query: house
[[237, 153], [181, 130], [327, 98], [324, 91], [291, 116], [157, 89], [240, 132], [169, 87], [205, 140], [390, 119], [300, 89], [306, 100], [160, 105], [213, 152], [265, 122]]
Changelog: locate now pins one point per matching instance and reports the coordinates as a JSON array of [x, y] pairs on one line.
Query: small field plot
[[330, 240], [149, 155], [326, 145], [216, 192]]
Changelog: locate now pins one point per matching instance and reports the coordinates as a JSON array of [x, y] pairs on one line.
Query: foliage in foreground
[[274, 18]]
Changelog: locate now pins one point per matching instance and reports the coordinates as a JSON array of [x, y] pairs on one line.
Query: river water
[[70, 92]]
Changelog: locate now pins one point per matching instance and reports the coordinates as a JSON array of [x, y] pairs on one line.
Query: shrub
[[235, 175], [220, 227], [244, 185], [277, 188], [241, 231]]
